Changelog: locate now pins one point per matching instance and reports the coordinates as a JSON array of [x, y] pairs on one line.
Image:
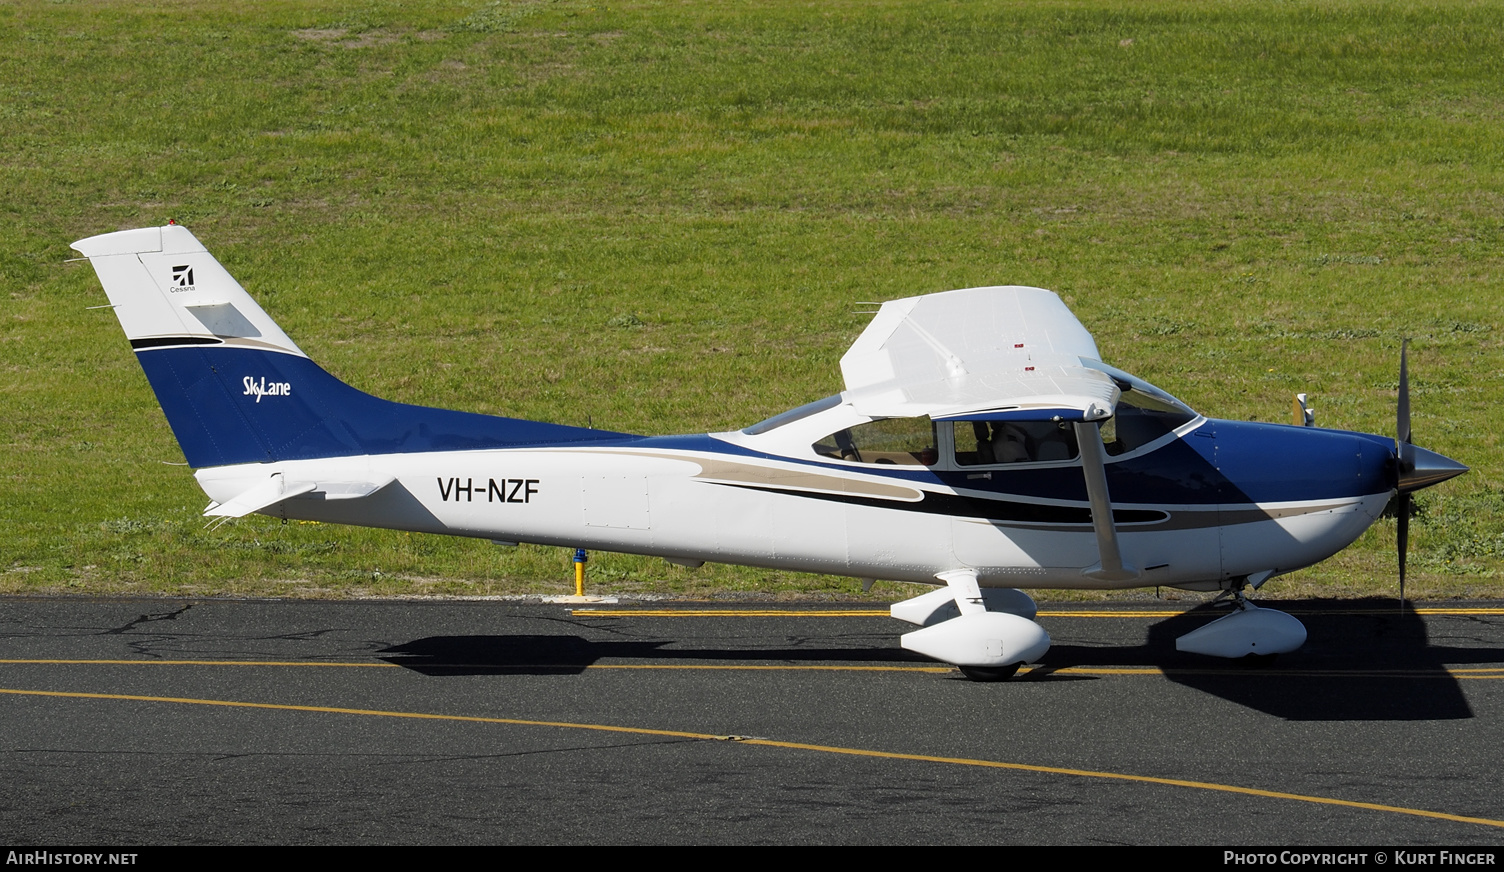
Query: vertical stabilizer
[[237, 390], [167, 289]]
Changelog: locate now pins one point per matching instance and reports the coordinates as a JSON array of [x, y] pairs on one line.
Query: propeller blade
[[1404, 456], [1402, 509], [1414, 468], [1402, 422]]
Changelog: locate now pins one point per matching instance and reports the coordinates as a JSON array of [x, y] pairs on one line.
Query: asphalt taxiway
[[153, 721]]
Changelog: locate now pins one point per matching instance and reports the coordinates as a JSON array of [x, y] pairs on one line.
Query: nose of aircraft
[[1419, 468], [1415, 468]]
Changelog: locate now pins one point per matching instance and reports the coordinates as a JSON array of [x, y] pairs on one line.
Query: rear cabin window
[[792, 415], [985, 443], [895, 441]]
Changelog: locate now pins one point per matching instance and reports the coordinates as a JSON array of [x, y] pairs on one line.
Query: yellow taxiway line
[[345, 664], [1036, 672], [728, 613], [1043, 613], [404, 665], [794, 746]]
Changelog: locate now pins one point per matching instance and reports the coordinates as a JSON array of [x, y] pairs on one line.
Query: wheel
[[989, 673]]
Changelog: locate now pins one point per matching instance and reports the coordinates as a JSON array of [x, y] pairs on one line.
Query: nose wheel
[[989, 673]]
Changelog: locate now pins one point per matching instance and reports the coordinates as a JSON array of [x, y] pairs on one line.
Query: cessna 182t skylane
[[980, 444]]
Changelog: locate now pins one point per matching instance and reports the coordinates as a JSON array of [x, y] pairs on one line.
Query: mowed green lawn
[[662, 217]]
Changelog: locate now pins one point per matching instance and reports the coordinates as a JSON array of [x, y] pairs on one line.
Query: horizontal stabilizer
[[276, 489], [273, 490], [349, 490]]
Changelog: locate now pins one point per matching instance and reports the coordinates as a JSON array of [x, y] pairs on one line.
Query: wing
[[1000, 353]]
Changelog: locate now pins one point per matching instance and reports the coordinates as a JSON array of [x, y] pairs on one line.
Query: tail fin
[[237, 390]]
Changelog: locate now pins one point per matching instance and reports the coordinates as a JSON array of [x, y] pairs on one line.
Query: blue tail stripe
[[208, 425], [231, 405]]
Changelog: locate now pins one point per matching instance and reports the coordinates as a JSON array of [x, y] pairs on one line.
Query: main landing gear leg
[[1248, 631], [988, 638]]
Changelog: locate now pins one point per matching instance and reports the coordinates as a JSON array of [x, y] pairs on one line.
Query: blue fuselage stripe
[[239, 405]]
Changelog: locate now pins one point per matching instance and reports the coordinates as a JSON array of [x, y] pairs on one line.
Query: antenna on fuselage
[[1305, 416]]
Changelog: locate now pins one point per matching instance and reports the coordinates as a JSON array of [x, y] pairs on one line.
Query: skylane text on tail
[[980, 445]]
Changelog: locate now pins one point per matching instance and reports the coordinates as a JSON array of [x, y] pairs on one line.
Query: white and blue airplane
[[981, 445]]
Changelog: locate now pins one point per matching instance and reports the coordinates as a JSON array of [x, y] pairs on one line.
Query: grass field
[[659, 217]]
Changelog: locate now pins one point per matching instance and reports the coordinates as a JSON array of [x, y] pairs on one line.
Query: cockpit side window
[[896, 441], [984, 443]]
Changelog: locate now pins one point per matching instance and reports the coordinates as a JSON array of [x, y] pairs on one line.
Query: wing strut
[[1110, 565]]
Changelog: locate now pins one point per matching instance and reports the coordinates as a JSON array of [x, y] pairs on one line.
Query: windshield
[[1144, 413], [1145, 395]]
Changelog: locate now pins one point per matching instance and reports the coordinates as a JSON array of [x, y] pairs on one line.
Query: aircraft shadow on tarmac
[[567, 655], [1364, 660]]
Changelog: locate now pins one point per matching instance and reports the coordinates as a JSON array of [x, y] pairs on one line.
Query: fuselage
[[979, 432], [1207, 501]]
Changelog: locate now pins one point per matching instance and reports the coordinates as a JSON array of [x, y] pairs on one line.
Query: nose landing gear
[[1248, 631]]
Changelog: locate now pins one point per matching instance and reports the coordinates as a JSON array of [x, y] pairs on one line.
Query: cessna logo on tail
[[264, 388], [182, 276]]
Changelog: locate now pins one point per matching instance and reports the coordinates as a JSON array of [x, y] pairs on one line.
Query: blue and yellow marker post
[[581, 557]]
